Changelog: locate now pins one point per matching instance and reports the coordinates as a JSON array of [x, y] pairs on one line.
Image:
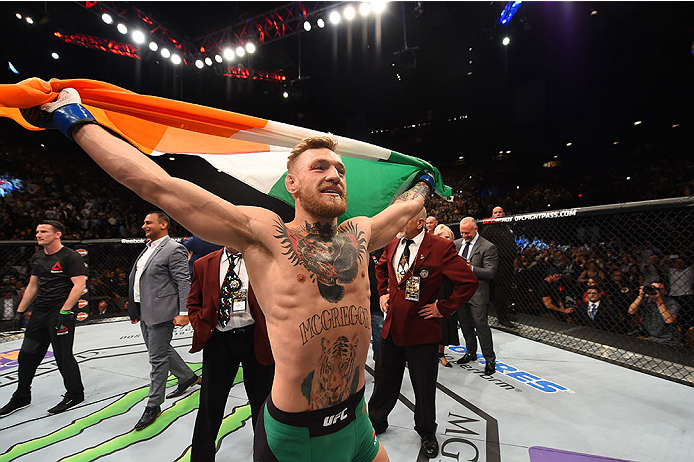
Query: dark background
[[567, 75]]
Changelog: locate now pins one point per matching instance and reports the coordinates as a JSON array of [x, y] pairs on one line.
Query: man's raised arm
[[393, 218], [201, 212]]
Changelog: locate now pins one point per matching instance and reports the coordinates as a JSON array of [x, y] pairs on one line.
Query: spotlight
[[638, 122], [334, 17], [208, 61], [506, 41], [378, 7], [139, 37], [228, 54], [320, 23], [285, 95], [569, 144], [250, 48], [107, 18], [349, 13], [307, 26], [199, 64], [240, 52], [364, 9], [153, 46], [55, 55], [122, 28], [165, 53], [176, 59], [218, 59], [19, 16], [29, 20]]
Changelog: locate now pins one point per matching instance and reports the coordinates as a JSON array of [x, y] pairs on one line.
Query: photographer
[[658, 313]]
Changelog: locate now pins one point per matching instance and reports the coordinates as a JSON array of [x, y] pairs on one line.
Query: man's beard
[[322, 206]]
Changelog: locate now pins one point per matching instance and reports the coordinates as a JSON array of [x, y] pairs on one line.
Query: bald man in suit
[[483, 257]]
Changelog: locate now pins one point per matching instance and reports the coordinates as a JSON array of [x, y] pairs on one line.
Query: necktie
[[593, 309], [466, 249], [404, 263], [230, 286]]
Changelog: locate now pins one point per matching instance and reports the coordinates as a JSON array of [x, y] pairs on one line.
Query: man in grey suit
[[157, 295], [483, 258]]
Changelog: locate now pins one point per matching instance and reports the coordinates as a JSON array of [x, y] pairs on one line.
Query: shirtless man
[[312, 277]]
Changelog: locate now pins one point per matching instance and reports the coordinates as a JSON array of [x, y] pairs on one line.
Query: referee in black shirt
[[58, 277]]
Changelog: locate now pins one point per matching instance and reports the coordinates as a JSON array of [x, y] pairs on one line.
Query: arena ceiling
[[578, 72]]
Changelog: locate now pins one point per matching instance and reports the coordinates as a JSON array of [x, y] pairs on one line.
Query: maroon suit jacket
[[203, 308], [437, 260]]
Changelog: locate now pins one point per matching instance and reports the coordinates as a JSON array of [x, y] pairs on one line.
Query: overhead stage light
[[334, 17], [378, 7], [176, 59], [320, 23], [285, 95], [55, 55], [228, 54], [153, 46], [307, 26], [250, 47], [165, 53], [506, 41], [208, 61], [138, 37], [199, 64], [122, 28], [218, 59], [364, 9], [19, 16], [349, 13], [107, 18], [240, 52], [29, 20]]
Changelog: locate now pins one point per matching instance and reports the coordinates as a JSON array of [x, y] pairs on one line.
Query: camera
[[650, 290]]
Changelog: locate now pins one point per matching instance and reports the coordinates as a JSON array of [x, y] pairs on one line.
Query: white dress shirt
[[472, 244], [151, 245], [414, 249], [239, 318]]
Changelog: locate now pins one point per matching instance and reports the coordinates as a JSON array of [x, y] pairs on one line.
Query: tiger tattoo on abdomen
[[337, 377]]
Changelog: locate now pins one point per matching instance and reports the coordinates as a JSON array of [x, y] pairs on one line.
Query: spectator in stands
[[551, 297], [620, 295], [591, 272], [681, 281], [10, 302], [598, 313], [649, 270], [633, 277], [431, 223], [658, 313]]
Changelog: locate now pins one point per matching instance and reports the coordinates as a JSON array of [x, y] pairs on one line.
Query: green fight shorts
[[341, 433]]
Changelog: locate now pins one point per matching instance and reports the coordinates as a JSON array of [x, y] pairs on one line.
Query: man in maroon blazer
[[409, 273], [228, 324]]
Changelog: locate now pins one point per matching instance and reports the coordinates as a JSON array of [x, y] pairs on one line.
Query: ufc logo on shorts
[[333, 419]]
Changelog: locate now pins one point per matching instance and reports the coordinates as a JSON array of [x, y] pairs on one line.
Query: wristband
[[429, 180], [65, 311], [71, 116]]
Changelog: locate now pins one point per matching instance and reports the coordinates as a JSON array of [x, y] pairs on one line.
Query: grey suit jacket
[[484, 258], [164, 284]]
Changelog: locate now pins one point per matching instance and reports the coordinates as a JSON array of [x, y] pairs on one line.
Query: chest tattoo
[[332, 256]]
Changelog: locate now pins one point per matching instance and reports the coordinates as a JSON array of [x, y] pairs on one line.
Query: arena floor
[[543, 405]]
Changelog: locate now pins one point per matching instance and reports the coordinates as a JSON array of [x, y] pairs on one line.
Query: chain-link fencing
[[569, 278], [572, 278], [108, 261]]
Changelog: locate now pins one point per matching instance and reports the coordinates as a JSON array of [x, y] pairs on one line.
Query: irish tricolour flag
[[238, 157]]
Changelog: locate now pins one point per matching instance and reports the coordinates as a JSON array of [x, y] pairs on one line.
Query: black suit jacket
[[606, 317]]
